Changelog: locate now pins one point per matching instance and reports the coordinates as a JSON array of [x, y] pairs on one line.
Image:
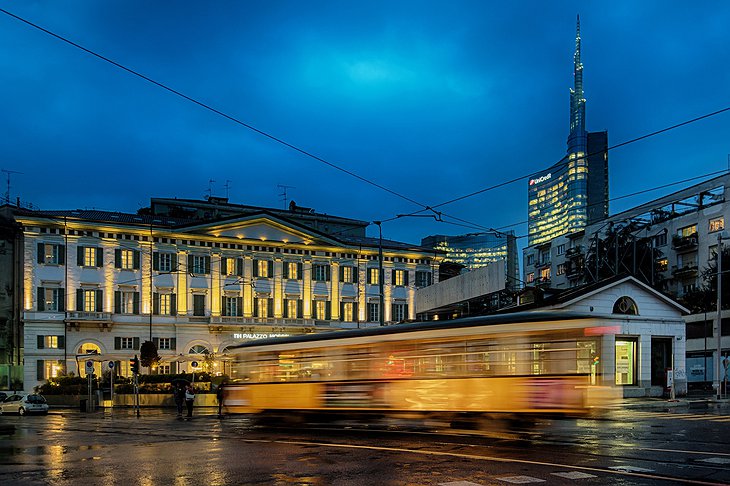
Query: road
[[115, 447]]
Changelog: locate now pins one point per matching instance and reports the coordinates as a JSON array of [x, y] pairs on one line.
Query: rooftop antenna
[[282, 194], [227, 185], [7, 193], [210, 188]]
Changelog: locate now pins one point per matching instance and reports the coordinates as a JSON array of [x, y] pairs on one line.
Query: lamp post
[[381, 292], [718, 326]]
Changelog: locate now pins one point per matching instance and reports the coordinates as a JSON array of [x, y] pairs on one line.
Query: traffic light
[[134, 364], [596, 360]]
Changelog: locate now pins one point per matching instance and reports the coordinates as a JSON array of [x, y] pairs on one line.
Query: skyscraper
[[574, 192]]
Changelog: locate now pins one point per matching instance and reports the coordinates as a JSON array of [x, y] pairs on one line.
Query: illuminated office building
[[476, 250], [574, 192]]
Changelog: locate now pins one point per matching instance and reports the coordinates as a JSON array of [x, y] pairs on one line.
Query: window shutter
[[41, 341], [255, 307], [156, 303], [173, 304], [61, 254], [173, 344], [355, 274], [270, 307], [40, 369], [117, 302], [327, 273], [99, 257], [392, 277], [117, 342], [79, 299], [174, 262], [62, 300], [156, 341], [286, 309], [61, 341], [41, 299], [405, 312], [135, 303], [342, 309], [300, 309], [285, 270], [405, 277], [224, 311], [239, 306], [80, 256], [300, 271], [99, 303], [117, 258], [314, 309], [355, 315], [369, 275], [255, 268], [342, 274], [428, 278], [223, 265], [190, 264], [328, 310], [239, 267], [156, 261], [392, 312], [270, 264], [135, 260], [41, 253], [135, 343], [207, 264]]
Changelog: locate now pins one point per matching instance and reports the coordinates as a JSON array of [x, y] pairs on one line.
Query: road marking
[[715, 460], [631, 469], [573, 475], [458, 483], [520, 479]]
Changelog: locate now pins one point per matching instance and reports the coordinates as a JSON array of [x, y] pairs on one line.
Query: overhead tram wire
[[215, 110]]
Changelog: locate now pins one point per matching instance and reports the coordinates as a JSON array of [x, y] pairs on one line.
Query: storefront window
[[626, 361]]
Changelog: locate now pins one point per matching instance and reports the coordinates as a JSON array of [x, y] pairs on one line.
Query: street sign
[[111, 365], [89, 365]]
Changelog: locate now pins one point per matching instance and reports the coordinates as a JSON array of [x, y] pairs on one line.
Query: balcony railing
[[684, 243], [89, 316], [574, 270], [574, 251], [686, 271]]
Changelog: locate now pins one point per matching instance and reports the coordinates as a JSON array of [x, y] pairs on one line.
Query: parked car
[[3, 396], [22, 404]]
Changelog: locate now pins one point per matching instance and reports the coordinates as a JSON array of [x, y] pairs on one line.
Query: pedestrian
[[189, 399], [219, 396], [178, 393]]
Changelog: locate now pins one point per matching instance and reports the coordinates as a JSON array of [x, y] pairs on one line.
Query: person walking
[[219, 396], [178, 393], [189, 399]]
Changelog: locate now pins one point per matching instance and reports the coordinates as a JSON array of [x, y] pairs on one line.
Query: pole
[[717, 330], [136, 394], [381, 311]]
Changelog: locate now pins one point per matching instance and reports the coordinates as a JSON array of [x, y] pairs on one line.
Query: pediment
[[262, 228]]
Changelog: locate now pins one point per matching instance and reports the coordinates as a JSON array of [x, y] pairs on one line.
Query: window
[[231, 266], [423, 279], [199, 264], [126, 259], [545, 274], [717, 224], [687, 231], [89, 256], [164, 304], [626, 361], [263, 268], [530, 277], [321, 272], [348, 274], [625, 305], [545, 257], [232, 306], [263, 307], [293, 309], [530, 259], [561, 269], [373, 276], [126, 343], [50, 299], [348, 311], [373, 314], [163, 369], [399, 312], [50, 342], [126, 302], [88, 300], [164, 344], [198, 304], [321, 310], [660, 239], [198, 349], [51, 254], [662, 265], [293, 270], [164, 261], [400, 277], [561, 249]]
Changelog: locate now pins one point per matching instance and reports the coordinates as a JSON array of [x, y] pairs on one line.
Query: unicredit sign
[[541, 179]]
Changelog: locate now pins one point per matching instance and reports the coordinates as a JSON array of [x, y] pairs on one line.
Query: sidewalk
[[693, 401]]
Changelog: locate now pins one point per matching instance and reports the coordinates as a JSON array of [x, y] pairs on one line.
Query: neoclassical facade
[[98, 284]]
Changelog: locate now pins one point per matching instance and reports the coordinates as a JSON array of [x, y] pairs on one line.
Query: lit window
[[347, 274], [165, 304], [626, 362], [89, 300], [51, 342], [262, 307], [348, 311], [292, 270], [292, 309], [126, 259], [50, 254], [373, 276], [229, 266], [530, 277], [320, 309], [717, 224], [262, 268], [545, 274], [687, 231], [89, 259], [399, 277]]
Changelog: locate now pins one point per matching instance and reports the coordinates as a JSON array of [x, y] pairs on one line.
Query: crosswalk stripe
[[573, 475], [520, 479]]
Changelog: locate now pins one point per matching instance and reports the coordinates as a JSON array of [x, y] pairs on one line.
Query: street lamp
[[718, 322], [381, 292]]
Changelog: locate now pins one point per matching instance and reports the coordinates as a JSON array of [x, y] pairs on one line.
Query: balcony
[[687, 271], [78, 316], [542, 264], [573, 271], [685, 243], [574, 252]]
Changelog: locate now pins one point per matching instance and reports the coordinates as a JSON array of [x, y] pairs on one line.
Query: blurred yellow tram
[[521, 363]]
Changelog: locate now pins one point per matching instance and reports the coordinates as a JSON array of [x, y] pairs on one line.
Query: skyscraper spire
[[577, 136]]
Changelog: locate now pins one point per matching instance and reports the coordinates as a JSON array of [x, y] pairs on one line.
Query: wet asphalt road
[[117, 448]]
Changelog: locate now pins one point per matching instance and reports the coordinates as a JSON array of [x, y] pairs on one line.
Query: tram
[[520, 363]]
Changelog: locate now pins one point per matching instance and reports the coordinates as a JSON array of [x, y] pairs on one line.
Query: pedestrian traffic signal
[[134, 364], [596, 360]]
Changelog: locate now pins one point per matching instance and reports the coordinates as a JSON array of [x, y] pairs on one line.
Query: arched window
[[625, 305], [198, 349], [89, 348]]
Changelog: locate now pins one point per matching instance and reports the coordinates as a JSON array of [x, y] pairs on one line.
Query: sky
[[403, 104]]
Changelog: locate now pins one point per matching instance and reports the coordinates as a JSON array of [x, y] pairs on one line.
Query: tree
[[148, 354], [704, 299]]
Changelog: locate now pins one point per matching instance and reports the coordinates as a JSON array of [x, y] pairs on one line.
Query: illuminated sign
[[262, 335], [541, 179]]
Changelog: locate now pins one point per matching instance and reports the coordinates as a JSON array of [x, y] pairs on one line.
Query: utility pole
[[381, 292], [716, 381]]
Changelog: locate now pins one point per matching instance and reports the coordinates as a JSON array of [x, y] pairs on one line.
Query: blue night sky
[[432, 100]]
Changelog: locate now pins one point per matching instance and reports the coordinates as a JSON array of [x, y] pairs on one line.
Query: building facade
[[100, 284], [574, 192], [477, 250]]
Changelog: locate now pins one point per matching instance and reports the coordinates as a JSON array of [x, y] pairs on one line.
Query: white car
[[22, 404]]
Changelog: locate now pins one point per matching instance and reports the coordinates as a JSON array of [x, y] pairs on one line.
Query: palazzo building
[[100, 283]]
